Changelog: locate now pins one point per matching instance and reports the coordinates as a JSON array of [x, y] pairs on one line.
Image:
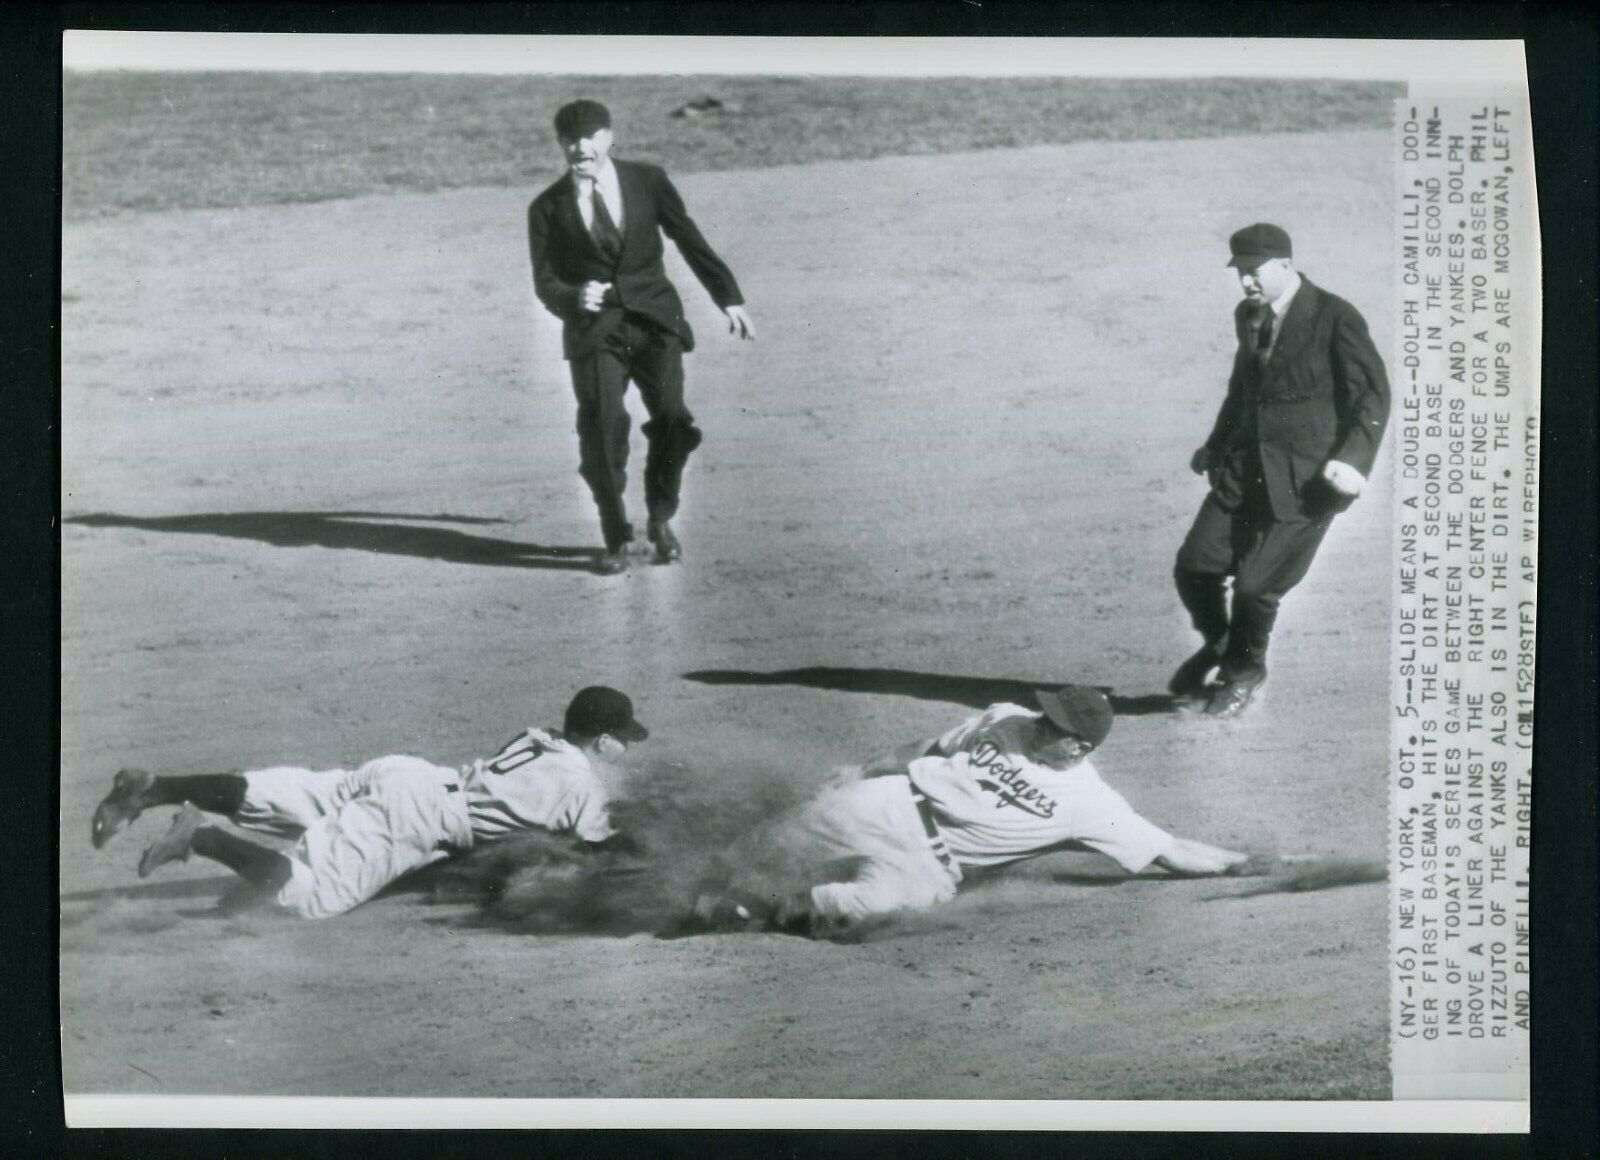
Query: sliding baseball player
[[1008, 784], [359, 830]]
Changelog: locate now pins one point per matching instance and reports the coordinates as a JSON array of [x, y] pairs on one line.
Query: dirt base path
[[321, 503]]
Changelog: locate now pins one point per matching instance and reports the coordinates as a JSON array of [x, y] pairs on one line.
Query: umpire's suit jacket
[[1322, 395], [565, 256]]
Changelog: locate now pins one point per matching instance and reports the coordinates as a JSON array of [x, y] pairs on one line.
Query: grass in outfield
[[140, 141]]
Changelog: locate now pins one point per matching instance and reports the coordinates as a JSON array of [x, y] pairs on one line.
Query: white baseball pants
[[359, 829], [876, 823]]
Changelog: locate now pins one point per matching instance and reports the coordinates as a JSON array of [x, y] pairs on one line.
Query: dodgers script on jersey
[[994, 805], [536, 780]]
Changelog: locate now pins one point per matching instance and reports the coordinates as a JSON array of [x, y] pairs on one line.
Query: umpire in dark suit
[[1292, 446], [595, 238]]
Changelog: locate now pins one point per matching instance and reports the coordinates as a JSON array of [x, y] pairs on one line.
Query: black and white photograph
[[595, 568]]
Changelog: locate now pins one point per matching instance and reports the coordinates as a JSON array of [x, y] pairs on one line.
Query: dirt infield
[[321, 504]]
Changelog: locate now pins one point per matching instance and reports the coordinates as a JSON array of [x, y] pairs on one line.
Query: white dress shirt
[[610, 191], [1279, 307]]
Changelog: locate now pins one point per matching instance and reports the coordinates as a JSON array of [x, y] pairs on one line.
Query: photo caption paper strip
[[1466, 421]]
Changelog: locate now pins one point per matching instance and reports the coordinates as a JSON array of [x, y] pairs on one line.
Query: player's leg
[[409, 815], [875, 824], [657, 364], [1278, 560], [281, 801], [882, 886], [286, 800], [599, 381], [135, 790], [864, 839], [258, 865], [1200, 574]]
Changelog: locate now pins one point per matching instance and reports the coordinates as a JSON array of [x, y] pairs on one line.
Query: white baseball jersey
[[994, 805], [537, 781], [990, 804], [361, 829]]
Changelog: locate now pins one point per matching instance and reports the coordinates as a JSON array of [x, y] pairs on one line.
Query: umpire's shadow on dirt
[[974, 692], [389, 533]]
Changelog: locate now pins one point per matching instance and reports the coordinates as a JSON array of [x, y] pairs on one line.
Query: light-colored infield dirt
[[320, 489]]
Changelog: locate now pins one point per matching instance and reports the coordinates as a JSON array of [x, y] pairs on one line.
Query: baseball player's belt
[[444, 845], [930, 827]]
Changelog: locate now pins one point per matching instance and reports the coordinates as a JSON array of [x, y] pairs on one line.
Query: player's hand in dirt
[[594, 296], [739, 322], [1256, 866], [1186, 856], [1200, 461]]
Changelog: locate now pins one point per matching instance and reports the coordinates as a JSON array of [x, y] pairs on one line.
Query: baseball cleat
[[122, 805], [667, 547], [613, 563], [1233, 697], [1190, 677], [173, 846]]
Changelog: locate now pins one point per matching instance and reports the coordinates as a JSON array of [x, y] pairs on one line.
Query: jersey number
[[518, 754]]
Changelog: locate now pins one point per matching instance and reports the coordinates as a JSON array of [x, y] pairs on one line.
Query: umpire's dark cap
[[601, 709], [1079, 710], [581, 118], [1256, 244]]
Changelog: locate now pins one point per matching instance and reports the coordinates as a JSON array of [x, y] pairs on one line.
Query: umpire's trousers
[[653, 359], [1266, 558]]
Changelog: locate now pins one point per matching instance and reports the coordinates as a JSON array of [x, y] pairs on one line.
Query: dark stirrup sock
[[255, 864], [216, 793]]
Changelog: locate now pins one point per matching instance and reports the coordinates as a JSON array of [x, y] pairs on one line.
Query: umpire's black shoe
[[122, 805], [1234, 695], [613, 562], [1190, 677], [667, 547]]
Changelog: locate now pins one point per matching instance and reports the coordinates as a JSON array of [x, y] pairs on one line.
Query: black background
[[1561, 42]]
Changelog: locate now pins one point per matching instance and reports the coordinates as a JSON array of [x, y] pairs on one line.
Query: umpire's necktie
[[1264, 334], [601, 228]]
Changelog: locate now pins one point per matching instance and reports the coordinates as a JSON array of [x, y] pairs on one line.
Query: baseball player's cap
[[1079, 710], [1255, 244], [601, 709], [581, 118]]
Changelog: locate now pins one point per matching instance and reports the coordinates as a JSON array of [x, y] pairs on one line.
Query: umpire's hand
[[739, 322]]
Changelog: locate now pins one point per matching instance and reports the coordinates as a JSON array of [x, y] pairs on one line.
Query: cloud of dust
[[697, 828], [108, 921]]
